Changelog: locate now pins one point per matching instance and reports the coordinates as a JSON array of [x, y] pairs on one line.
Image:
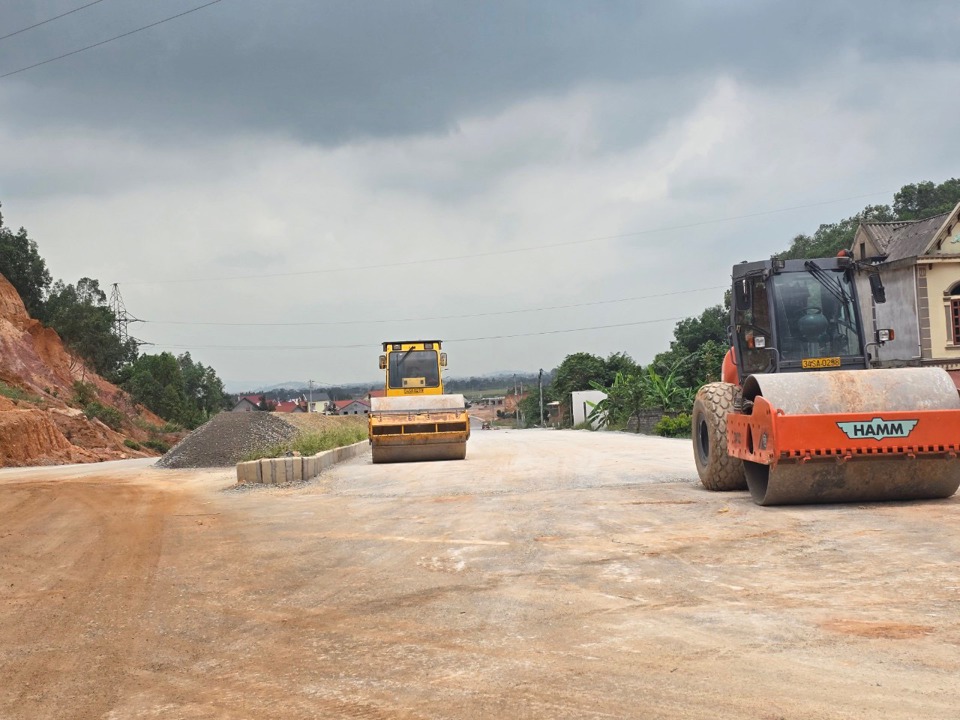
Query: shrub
[[111, 417], [675, 427], [84, 393], [132, 444], [15, 393], [158, 445]]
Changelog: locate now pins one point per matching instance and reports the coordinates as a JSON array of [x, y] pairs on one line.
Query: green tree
[[21, 264], [202, 389], [576, 372], [648, 389], [912, 202], [619, 363], [85, 323], [926, 199], [831, 238], [158, 382], [665, 390], [626, 396], [530, 405], [698, 346], [147, 378]]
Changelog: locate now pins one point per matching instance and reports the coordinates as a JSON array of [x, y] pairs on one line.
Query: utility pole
[[540, 383], [519, 393], [516, 404], [310, 406]]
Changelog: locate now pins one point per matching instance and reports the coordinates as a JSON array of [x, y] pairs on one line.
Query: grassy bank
[[310, 443]]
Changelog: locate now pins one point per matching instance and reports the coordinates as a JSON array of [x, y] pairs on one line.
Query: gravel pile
[[226, 438]]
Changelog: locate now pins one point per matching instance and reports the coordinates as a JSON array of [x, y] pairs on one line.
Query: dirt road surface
[[550, 575]]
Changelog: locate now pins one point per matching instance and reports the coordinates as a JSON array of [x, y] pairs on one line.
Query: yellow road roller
[[415, 420]]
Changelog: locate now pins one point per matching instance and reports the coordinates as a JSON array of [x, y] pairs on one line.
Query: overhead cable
[[49, 20], [368, 345], [109, 40], [437, 317]]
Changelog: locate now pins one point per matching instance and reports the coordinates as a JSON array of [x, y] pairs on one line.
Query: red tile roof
[[339, 404]]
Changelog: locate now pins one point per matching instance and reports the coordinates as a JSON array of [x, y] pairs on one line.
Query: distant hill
[[497, 381]]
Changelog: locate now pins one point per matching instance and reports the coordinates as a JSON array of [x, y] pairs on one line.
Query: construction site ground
[[550, 575]]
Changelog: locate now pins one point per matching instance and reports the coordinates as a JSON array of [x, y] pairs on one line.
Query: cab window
[[414, 368]]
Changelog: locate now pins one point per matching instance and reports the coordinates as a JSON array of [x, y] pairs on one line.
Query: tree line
[[176, 388], [669, 383]]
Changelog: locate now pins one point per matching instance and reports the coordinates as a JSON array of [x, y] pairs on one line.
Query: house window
[[953, 309]]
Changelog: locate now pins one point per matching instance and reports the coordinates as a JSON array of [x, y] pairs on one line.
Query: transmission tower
[[121, 318]]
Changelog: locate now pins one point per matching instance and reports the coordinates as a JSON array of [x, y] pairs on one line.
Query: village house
[[318, 403], [351, 407], [919, 264], [291, 406], [246, 403]]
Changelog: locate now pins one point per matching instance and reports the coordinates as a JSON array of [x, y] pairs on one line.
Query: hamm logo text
[[878, 429]]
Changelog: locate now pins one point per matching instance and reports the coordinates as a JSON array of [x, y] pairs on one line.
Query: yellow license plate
[[811, 363]]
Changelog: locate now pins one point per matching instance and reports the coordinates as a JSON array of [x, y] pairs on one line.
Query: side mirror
[[876, 289], [443, 359], [383, 362]]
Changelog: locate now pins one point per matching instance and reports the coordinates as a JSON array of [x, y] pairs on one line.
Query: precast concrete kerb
[[276, 471]]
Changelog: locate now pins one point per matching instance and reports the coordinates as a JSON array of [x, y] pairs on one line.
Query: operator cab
[[413, 368], [793, 315]]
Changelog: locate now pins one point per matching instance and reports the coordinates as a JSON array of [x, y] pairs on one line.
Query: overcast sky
[[453, 170]]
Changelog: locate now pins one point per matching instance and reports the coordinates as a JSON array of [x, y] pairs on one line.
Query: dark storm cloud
[[330, 72]]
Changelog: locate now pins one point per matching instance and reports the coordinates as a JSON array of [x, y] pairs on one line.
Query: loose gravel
[[226, 438]]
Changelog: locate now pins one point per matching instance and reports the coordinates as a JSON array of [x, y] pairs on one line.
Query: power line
[[49, 20], [508, 251], [374, 344], [437, 317], [109, 40]]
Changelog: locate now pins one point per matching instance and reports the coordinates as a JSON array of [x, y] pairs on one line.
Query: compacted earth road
[[549, 575]]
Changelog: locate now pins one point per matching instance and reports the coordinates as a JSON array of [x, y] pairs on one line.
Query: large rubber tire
[[717, 470]]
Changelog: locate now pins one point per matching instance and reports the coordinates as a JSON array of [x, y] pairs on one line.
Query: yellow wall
[[941, 276]]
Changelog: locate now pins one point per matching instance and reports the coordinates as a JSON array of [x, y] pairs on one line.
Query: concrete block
[[274, 471], [248, 473], [268, 471], [326, 459]]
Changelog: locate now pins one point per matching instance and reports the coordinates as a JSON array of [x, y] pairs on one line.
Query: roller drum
[[421, 452], [894, 476]]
